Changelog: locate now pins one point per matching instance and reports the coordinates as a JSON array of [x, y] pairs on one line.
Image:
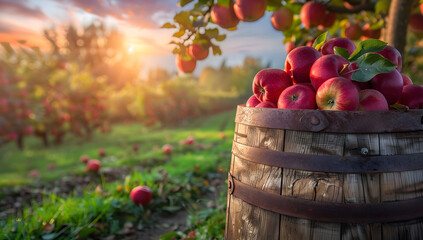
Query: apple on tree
[[368, 32], [330, 19], [337, 93], [416, 23], [185, 63], [198, 51], [282, 19], [353, 31], [313, 14], [249, 10], [299, 96], [141, 195], [224, 16]]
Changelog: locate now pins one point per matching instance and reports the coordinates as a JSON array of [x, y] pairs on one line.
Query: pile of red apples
[[323, 80]]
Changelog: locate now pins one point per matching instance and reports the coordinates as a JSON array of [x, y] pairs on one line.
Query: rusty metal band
[[327, 211], [329, 163], [332, 121]]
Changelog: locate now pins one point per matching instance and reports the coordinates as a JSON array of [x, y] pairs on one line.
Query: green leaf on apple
[[367, 46], [341, 52], [371, 64], [320, 40]]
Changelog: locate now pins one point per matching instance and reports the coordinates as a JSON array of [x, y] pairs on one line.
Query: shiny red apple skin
[[282, 19], [406, 80], [328, 47], [416, 23], [299, 61], [370, 33], [372, 100], [249, 10], [198, 52], [389, 84], [224, 16], [93, 165], [298, 97], [185, 66], [269, 83], [393, 55], [353, 31], [412, 96], [141, 195], [252, 101], [313, 14], [327, 67], [337, 93], [266, 105], [330, 19]]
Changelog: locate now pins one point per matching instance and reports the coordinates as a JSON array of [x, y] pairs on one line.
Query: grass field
[[118, 145]]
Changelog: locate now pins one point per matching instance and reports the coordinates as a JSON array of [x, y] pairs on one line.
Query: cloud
[[135, 12], [21, 8], [7, 27]]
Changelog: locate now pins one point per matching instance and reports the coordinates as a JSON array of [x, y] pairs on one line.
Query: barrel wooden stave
[[246, 221]]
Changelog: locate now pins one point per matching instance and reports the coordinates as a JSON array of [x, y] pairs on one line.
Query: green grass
[[118, 145]]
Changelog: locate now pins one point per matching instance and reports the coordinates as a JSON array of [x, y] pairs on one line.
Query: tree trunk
[[396, 28]]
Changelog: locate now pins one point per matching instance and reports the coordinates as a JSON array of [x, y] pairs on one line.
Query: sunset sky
[[139, 21]]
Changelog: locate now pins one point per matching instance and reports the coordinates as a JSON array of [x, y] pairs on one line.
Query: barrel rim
[[332, 121]]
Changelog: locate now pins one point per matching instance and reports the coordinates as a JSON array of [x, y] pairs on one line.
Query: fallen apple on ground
[[141, 195]]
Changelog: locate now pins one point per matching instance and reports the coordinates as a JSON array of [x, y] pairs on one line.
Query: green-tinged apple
[[330, 19], [327, 67], [185, 63], [416, 23], [368, 32], [389, 84], [224, 16], [249, 10], [266, 105], [167, 149], [328, 47], [372, 100], [393, 55], [141, 195], [252, 101], [269, 83], [299, 61], [353, 31], [84, 159], [313, 14], [406, 80], [282, 19], [198, 51], [412, 96], [298, 97], [289, 47], [93, 165], [337, 93]]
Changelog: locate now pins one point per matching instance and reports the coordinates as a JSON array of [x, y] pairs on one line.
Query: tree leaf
[[341, 52], [180, 33], [184, 2], [371, 64], [220, 38], [168, 25], [366, 46], [216, 50], [183, 19], [320, 40], [8, 48]]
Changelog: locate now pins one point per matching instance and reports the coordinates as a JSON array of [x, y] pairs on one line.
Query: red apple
[[190, 140], [328, 47], [135, 147], [34, 173], [393, 55], [298, 97], [167, 149], [327, 67], [101, 152], [299, 61], [282, 19], [198, 51], [224, 16], [353, 31], [191, 234], [337, 93], [141, 195], [249, 10], [412, 96], [51, 166], [370, 33], [416, 23], [289, 47], [93, 165], [269, 83], [330, 19], [266, 105], [421, 8], [389, 84], [185, 63], [84, 159], [406, 80], [313, 14], [372, 100], [252, 101]]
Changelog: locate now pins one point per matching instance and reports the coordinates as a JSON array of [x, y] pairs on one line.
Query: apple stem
[[346, 73]]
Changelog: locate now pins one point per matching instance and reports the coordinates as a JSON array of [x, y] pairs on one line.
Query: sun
[[131, 49]]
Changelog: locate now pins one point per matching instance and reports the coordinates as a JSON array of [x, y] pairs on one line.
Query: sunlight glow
[[131, 49]]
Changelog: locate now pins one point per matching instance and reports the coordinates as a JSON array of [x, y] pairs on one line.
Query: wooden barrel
[[310, 174]]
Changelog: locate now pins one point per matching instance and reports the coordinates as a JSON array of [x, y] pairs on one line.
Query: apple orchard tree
[[197, 29]]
